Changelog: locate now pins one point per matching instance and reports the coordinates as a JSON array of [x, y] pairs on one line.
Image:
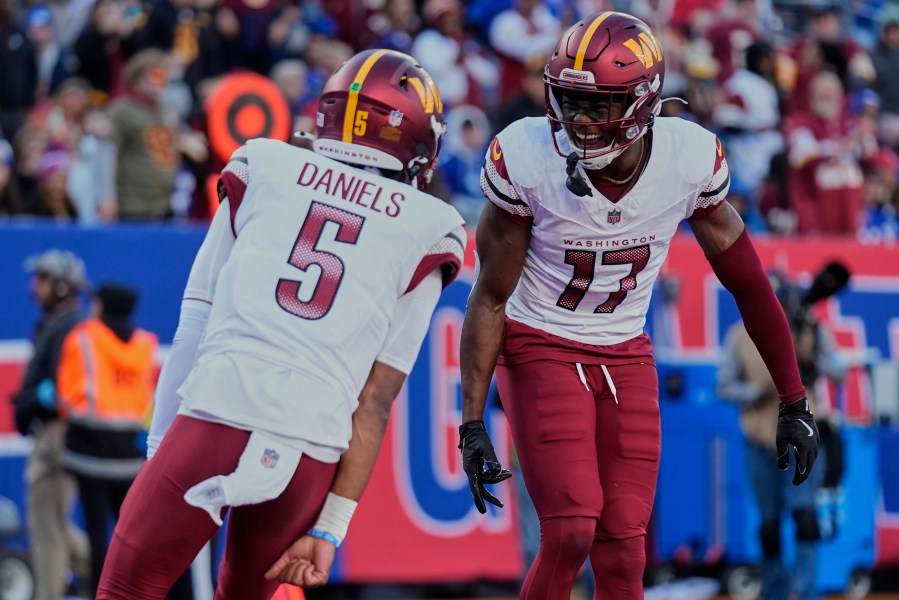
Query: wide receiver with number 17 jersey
[[303, 313], [582, 206]]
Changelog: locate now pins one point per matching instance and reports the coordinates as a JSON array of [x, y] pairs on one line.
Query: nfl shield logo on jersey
[[614, 216], [269, 458], [395, 118]]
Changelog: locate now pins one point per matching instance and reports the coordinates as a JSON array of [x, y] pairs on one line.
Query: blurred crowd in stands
[[102, 115]]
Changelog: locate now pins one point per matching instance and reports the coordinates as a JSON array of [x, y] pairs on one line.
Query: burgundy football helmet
[[611, 63], [382, 109]]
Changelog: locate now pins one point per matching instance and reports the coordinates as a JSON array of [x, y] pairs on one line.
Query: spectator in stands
[[52, 188], [18, 72], [9, 197], [744, 199], [91, 182], [293, 27], [70, 17], [825, 149], [147, 154], [62, 116], [531, 102], [844, 55], [750, 116], [525, 31], [105, 383], [56, 544], [323, 56], [105, 44], [55, 62], [886, 82], [351, 20], [188, 30], [732, 35], [227, 30], [464, 147], [252, 18], [291, 77], [880, 218], [395, 25], [29, 146], [743, 379], [454, 58], [773, 198]]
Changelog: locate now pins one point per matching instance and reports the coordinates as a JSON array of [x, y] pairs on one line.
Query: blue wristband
[[324, 535]]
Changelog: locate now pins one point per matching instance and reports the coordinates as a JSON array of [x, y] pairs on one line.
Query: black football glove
[[796, 427], [480, 463]]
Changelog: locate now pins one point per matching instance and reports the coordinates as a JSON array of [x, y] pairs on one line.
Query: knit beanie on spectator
[[118, 302]]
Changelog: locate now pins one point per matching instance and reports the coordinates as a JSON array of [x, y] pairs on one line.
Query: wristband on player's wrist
[[324, 535], [334, 519]]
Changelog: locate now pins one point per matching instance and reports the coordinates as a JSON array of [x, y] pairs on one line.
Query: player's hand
[[307, 563], [796, 427], [480, 463]]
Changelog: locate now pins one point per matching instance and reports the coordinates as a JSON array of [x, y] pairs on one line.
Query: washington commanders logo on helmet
[[645, 48]]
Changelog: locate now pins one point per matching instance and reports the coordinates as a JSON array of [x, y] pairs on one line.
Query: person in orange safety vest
[[105, 382]]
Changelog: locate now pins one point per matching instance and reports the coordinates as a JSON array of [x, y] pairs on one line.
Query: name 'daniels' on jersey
[[350, 188]]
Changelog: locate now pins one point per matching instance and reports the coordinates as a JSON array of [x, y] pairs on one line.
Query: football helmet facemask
[[382, 109], [603, 86]]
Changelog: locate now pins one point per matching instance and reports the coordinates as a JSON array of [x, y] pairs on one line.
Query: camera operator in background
[[743, 379], [56, 544]]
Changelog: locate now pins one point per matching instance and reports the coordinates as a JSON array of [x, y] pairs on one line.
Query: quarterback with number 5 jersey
[[303, 313], [582, 207]]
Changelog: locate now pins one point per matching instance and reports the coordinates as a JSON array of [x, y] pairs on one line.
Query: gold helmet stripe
[[585, 41], [349, 118]]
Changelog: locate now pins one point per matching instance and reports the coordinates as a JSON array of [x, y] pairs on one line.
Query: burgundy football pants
[[590, 463], [159, 534]]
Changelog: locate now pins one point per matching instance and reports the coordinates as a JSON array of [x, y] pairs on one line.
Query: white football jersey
[[301, 310], [591, 264]]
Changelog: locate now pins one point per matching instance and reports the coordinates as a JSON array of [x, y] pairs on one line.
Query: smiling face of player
[[591, 119]]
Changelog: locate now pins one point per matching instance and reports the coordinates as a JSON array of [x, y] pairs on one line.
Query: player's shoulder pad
[[694, 146], [517, 147], [514, 160], [239, 163], [446, 254], [234, 177]]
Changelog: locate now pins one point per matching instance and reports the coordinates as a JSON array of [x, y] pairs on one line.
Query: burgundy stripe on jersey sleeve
[[447, 254], [497, 187], [711, 197], [233, 181]]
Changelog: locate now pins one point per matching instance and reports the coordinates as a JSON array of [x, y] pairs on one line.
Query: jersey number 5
[[305, 254], [584, 263]]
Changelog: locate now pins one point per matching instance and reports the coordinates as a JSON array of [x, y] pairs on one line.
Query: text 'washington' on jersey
[[646, 239]]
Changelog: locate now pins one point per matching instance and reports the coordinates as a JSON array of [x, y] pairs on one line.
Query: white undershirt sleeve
[[410, 323], [195, 308]]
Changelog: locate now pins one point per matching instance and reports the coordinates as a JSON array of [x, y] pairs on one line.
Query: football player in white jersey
[[303, 313], [583, 204]]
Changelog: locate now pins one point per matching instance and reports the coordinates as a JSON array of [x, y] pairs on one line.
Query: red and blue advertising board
[[416, 522]]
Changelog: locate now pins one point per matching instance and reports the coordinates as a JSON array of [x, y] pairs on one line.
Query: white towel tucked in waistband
[[263, 472]]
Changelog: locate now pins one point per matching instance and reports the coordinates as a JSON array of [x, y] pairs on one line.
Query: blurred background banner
[[863, 317], [418, 523]]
